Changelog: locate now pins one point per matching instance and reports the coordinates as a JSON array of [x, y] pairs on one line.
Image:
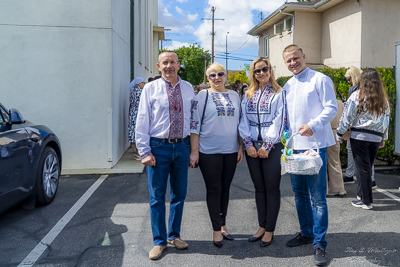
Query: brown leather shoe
[[156, 252], [178, 243]]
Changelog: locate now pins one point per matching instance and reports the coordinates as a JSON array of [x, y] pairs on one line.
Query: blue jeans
[[310, 197], [171, 160]]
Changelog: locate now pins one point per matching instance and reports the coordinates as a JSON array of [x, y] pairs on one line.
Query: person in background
[[335, 180], [216, 146], [162, 138], [135, 91], [233, 87], [264, 119], [353, 76], [150, 79], [311, 103], [367, 113]]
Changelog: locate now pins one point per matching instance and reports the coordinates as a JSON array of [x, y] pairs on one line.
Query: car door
[[15, 167]]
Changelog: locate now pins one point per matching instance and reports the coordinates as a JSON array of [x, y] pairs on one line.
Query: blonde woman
[[215, 145], [264, 121]]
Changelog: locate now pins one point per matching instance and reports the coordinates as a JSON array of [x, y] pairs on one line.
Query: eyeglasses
[[214, 75], [263, 69]]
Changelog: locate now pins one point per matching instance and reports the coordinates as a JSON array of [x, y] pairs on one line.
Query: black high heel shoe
[[255, 238], [265, 244], [228, 236], [218, 244]]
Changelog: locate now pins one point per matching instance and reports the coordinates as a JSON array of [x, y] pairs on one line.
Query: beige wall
[[307, 34], [378, 39], [341, 35]]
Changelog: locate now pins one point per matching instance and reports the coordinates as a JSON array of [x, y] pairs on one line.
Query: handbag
[[257, 144]]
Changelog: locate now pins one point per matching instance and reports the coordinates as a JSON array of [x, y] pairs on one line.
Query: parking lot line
[[34, 255], [387, 194]]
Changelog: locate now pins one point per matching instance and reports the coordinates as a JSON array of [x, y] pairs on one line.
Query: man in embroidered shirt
[[311, 105], [162, 137]]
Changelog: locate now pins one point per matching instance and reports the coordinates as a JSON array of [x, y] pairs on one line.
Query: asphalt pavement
[[104, 221]]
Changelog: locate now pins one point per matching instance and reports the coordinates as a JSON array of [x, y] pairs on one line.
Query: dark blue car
[[30, 162]]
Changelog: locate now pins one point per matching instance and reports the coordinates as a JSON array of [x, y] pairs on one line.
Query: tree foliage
[[192, 60]]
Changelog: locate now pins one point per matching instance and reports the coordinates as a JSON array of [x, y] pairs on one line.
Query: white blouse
[[153, 119], [265, 111], [219, 132]]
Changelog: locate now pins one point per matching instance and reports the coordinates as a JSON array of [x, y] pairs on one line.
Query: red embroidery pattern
[[175, 110]]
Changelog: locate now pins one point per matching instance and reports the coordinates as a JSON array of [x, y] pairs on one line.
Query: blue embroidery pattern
[[219, 100]]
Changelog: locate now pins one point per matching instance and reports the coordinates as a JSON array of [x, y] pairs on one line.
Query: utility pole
[[226, 58], [212, 32]]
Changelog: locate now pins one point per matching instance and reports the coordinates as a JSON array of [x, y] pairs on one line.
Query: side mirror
[[16, 117]]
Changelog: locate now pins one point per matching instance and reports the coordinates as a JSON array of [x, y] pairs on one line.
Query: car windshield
[[3, 114]]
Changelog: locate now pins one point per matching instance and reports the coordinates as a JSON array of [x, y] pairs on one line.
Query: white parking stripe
[[46, 241], [387, 194]]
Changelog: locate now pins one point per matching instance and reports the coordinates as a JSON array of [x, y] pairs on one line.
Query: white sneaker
[[360, 204]]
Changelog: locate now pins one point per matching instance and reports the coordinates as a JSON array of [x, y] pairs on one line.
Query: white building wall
[[65, 64]]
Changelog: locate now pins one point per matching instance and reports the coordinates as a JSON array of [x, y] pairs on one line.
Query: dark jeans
[[172, 162], [217, 171], [266, 176], [364, 154]]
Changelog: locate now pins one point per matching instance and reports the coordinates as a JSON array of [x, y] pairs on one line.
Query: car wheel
[[47, 177]]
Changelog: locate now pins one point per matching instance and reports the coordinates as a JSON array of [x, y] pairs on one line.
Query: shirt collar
[[302, 74], [179, 80]]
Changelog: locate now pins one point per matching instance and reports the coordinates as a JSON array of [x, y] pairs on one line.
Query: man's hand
[[251, 151], [305, 130], [263, 153], [149, 161]]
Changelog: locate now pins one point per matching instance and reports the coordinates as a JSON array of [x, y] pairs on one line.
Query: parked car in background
[[30, 162]]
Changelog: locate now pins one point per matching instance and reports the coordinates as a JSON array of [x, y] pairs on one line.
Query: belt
[[171, 140]]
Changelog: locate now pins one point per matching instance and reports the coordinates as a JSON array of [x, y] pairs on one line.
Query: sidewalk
[[127, 164]]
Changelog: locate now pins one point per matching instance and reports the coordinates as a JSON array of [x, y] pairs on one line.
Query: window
[[287, 24], [278, 28], [266, 44]]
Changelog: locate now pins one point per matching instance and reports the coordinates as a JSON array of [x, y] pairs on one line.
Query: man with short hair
[[311, 105], [162, 137]]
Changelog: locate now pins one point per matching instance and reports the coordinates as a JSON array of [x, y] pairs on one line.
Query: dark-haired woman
[[367, 114]]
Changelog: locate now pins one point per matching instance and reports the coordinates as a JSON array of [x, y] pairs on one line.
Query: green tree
[[241, 76], [192, 60]]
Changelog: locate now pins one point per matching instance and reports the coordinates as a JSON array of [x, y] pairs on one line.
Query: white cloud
[[238, 20], [193, 17], [182, 1], [179, 10], [176, 45]]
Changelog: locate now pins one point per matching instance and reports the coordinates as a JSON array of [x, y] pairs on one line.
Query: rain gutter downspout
[[292, 23]]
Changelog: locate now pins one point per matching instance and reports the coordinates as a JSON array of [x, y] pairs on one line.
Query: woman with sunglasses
[[264, 119], [215, 145]]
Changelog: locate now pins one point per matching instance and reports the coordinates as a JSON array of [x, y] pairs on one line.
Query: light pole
[[226, 59]]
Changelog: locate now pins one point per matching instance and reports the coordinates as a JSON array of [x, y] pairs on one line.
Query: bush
[[342, 91]]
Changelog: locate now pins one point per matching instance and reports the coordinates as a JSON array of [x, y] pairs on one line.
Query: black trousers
[[364, 154], [217, 171], [266, 176]]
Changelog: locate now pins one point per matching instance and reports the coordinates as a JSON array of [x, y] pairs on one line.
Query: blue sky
[[189, 21]]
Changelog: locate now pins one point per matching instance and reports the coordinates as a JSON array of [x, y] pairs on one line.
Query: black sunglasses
[[348, 79], [263, 69], [214, 75]]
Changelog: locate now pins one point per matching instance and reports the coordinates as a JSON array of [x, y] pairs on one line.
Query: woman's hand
[[193, 159], [382, 144], [251, 151], [263, 153], [240, 154]]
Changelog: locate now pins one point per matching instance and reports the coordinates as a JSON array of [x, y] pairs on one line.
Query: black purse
[[257, 144]]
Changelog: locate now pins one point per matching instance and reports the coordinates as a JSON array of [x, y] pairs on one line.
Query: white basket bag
[[301, 164]]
